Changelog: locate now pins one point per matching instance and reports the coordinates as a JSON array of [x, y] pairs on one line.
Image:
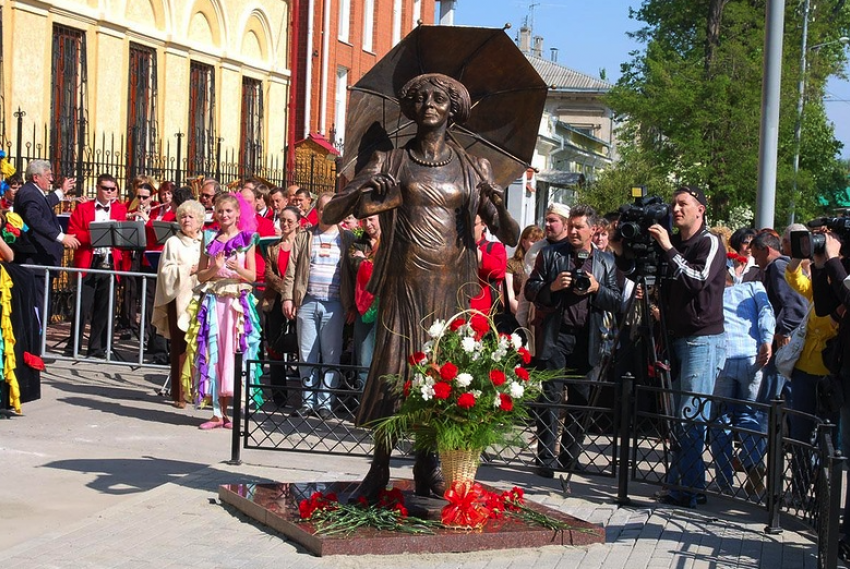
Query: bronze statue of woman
[[428, 194]]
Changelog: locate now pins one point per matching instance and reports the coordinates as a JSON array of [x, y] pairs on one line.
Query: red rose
[[479, 325], [442, 390], [525, 355], [416, 358], [521, 373], [456, 324], [497, 376], [407, 386], [506, 403], [466, 401], [448, 371]]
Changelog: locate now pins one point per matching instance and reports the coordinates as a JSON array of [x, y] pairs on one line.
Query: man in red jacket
[[94, 301]]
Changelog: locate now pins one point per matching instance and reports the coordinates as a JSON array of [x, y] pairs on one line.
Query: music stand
[[119, 234], [153, 258], [163, 230], [265, 242]]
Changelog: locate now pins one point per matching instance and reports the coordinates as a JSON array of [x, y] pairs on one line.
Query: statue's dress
[[426, 265]]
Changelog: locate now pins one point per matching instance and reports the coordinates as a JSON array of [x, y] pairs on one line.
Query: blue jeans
[[364, 347], [699, 360], [320, 325], [740, 379]]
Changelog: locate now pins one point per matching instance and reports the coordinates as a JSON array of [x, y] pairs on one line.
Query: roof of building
[[560, 77], [323, 142]]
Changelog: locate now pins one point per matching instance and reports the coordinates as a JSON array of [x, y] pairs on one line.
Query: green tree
[[689, 103]]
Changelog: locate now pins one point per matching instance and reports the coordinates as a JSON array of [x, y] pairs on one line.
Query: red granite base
[[276, 505]]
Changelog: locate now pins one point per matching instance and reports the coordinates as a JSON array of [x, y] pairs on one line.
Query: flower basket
[[460, 465], [468, 388]]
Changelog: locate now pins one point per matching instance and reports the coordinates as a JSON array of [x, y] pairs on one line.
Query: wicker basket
[[460, 466]]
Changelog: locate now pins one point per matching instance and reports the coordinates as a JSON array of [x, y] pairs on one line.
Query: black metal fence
[[168, 160], [624, 434]]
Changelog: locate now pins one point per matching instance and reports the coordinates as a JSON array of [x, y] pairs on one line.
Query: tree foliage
[[689, 104]]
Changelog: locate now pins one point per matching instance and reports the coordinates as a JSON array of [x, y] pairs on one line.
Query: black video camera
[[633, 228], [804, 244], [580, 282]]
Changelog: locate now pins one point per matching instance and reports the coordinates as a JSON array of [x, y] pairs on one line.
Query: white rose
[[498, 355], [516, 341], [418, 380], [427, 392], [428, 347], [476, 393], [475, 356], [516, 389], [437, 328], [503, 343], [497, 402], [464, 379], [468, 344]]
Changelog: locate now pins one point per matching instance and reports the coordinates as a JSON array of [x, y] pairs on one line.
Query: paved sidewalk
[[103, 473]]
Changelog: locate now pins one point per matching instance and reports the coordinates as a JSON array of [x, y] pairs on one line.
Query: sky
[[591, 35]]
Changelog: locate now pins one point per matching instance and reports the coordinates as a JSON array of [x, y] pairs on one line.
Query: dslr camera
[[633, 228], [804, 244], [580, 282]]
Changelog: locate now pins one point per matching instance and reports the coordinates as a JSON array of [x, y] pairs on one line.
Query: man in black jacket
[[692, 300], [573, 285], [830, 286], [34, 202]]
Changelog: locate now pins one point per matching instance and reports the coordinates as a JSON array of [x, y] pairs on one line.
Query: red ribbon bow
[[466, 506]]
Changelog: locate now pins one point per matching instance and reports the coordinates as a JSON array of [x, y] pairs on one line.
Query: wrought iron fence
[[624, 434], [168, 159]]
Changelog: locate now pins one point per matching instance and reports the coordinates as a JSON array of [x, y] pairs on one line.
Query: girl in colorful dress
[[227, 319]]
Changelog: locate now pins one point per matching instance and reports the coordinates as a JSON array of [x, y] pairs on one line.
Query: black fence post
[[625, 436], [218, 158], [177, 179], [236, 412], [19, 158], [775, 461]]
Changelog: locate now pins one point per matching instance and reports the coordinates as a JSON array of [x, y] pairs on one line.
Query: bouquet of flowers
[[467, 389]]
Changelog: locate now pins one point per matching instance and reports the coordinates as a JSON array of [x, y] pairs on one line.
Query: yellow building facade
[[142, 71]]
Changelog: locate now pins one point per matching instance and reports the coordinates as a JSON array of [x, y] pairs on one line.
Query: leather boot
[[378, 476], [428, 476]]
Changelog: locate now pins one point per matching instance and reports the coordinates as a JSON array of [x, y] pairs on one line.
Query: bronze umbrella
[[507, 98]]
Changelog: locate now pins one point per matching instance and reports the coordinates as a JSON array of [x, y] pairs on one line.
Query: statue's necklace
[[429, 163]]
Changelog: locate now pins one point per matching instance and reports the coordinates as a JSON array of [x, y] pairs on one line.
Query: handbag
[[287, 340], [786, 357]]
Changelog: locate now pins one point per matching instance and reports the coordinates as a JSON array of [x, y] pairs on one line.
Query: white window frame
[[397, 7], [340, 104], [368, 24], [344, 27]]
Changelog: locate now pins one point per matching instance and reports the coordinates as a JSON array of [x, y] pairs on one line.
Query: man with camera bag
[[573, 285], [692, 302]]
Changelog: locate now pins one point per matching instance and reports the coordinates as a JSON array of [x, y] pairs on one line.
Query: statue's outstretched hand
[[493, 191], [381, 183]]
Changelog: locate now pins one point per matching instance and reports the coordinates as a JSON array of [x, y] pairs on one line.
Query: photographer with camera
[[831, 296], [573, 286], [692, 303]]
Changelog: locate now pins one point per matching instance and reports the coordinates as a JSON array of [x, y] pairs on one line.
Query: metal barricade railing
[[630, 439], [76, 335]]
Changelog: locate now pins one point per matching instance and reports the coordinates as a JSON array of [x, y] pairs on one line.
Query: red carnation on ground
[[442, 390], [456, 324], [525, 355], [466, 401], [416, 358], [479, 325], [497, 376], [505, 402], [448, 371], [521, 373]]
